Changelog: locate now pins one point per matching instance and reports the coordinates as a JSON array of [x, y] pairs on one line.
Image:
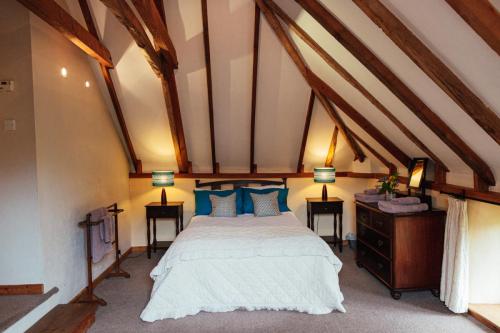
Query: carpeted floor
[[369, 306]]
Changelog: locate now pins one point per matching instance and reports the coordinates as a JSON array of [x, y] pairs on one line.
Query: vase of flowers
[[388, 186]]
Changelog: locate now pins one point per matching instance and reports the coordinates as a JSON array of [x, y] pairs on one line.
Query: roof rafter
[[87, 15], [350, 111], [481, 16], [256, 34], [333, 146], [208, 65], [375, 153], [163, 70], [151, 16], [304, 70], [428, 62], [305, 134], [59, 19], [304, 36], [398, 88]]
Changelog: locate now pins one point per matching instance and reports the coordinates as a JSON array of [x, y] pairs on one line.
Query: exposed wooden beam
[[374, 152], [59, 19], [483, 17], [302, 34], [305, 134], [479, 184], [256, 34], [431, 65], [126, 16], [208, 65], [333, 146], [165, 72], [359, 119], [304, 70], [87, 15], [155, 23], [398, 88]]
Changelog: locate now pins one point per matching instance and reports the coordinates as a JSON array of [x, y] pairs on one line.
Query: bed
[[221, 264]]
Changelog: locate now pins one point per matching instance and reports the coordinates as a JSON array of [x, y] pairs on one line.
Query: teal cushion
[[248, 203], [203, 206]]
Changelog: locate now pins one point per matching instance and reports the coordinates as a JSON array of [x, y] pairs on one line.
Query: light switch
[[9, 125]]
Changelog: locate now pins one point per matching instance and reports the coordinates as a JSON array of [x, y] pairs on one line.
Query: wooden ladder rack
[[89, 296]]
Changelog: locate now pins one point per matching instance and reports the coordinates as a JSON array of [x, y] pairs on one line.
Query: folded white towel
[[406, 201], [390, 207], [372, 191], [369, 197]]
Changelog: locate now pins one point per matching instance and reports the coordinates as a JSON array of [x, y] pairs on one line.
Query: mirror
[[417, 173]]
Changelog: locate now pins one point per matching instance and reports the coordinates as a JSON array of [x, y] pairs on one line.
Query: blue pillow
[[203, 206], [248, 203]]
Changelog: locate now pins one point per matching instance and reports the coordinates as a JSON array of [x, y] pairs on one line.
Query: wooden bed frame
[[237, 183]]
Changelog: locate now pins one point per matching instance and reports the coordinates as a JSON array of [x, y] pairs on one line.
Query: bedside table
[[334, 206], [155, 210]]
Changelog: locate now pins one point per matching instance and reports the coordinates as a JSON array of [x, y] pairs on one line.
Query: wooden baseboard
[[487, 314], [21, 289], [138, 249], [102, 276]]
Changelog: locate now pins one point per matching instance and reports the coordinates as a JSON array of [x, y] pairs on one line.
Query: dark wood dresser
[[404, 251]]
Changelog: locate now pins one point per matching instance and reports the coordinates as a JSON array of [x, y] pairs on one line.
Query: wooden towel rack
[[90, 297]]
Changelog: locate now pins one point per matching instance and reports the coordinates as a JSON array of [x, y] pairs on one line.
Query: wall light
[[87, 84], [64, 72]]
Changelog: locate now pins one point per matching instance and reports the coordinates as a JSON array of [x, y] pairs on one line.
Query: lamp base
[[163, 197], [324, 193]]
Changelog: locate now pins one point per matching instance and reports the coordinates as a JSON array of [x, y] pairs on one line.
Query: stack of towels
[[370, 195], [403, 205]]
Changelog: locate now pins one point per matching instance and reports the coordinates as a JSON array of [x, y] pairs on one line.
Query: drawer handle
[[380, 243], [363, 253], [380, 266], [379, 223]]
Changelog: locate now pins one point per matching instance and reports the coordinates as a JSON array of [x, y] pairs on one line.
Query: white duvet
[[224, 264]]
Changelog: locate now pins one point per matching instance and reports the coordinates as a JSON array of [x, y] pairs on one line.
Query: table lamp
[[324, 176], [162, 179]]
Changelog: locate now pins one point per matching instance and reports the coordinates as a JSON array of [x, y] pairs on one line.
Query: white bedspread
[[224, 264]]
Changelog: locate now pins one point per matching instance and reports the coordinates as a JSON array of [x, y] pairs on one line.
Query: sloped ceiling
[[283, 94]]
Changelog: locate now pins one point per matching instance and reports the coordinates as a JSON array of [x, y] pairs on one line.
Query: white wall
[[81, 163], [19, 224], [142, 193]]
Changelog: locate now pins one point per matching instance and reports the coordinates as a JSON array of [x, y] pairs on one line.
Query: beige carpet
[[369, 306]]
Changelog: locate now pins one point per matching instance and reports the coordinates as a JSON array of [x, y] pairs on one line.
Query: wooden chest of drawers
[[404, 251]]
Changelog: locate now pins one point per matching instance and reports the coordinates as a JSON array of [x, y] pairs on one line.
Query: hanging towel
[[406, 201], [108, 229], [455, 269], [99, 246], [369, 197], [389, 207]]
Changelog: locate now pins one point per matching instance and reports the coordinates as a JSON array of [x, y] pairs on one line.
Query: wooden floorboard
[[488, 314]]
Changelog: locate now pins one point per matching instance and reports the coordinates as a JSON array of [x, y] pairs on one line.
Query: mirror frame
[[413, 163]]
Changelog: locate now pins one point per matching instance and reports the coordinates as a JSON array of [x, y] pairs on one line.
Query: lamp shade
[[163, 178], [324, 175]]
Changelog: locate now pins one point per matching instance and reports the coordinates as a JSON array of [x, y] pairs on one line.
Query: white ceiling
[[282, 93]]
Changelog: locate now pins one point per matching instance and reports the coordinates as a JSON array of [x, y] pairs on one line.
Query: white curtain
[[455, 270]]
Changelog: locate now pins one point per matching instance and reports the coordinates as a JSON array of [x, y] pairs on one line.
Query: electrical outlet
[[6, 85]]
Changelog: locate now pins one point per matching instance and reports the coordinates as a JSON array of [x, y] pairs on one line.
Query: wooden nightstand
[[330, 206], [155, 210]]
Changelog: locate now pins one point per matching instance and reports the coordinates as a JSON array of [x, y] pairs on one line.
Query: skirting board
[[21, 289], [102, 276]]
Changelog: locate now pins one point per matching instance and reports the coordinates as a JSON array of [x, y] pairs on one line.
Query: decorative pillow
[[265, 204], [223, 206], [248, 203], [203, 206]]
